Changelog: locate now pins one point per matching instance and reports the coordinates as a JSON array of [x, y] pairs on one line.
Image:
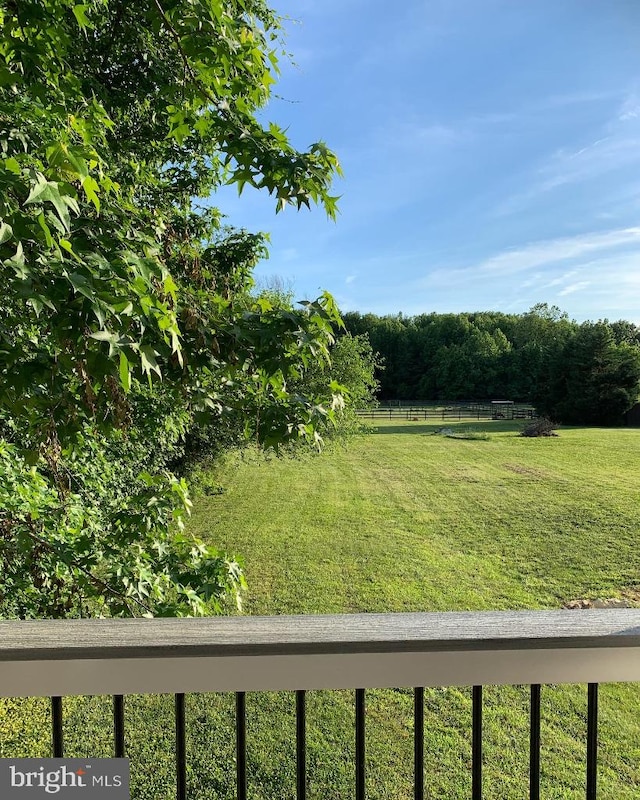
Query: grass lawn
[[405, 520]]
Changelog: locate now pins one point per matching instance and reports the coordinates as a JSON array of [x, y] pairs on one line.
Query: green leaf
[[180, 133], [104, 336], [80, 13], [12, 165], [40, 187], [64, 158], [45, 229], [125, 375], [90, 186], [66, 245], [17, 262], [54, 222], [36, 304], [148, 360], [6, 232], [44, 191], [79, 282]]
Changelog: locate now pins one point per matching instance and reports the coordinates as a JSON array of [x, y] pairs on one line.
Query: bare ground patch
[[529, 472], [464, 476], [629, 598]]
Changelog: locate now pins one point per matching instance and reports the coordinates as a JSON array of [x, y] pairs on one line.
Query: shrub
[[539, 427]]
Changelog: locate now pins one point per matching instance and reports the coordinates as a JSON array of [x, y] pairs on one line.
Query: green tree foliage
[[353, 365], [345, 381], [350, 371], [126, 318], [593, 380], [574, 373]]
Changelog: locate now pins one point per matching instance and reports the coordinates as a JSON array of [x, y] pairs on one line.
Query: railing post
[[534, 744], [476, 746], [301, 746], [181, 748], [592, 741], [241, 745], [118, 726], [56, 727], [418, 743], [360, 744]]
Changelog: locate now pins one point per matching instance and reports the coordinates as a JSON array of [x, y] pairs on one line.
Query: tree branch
[[72, 563]]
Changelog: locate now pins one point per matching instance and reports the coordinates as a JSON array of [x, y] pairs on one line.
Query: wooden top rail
[[42, 657], [29, 640]]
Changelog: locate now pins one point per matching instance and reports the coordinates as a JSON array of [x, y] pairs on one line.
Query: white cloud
[[416, 135], [574, 98], [574, 287], [559, 280], [630, 108], [565, 167], [615, 146], [552, 251], [350, 279], [542, 106]]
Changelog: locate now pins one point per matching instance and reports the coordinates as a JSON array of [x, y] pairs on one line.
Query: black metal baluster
[[360, 744], [241, 745], [534, 744], [56, 727], [181, 749], [418, 743], [592, 741], [118, 725], [476, 745], [301, 746]]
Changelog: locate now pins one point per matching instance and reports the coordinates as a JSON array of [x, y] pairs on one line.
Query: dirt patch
[[465, 477], [529, 472], [630, 598]]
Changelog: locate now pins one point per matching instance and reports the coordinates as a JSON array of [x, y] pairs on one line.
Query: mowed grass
[[405, 520]]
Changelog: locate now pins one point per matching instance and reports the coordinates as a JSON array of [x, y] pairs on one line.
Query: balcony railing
[[41, 658]]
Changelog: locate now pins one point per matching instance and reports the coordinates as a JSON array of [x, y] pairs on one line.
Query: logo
[[64, 778]]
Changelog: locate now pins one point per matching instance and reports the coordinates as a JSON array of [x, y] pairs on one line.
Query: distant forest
[[582, 373]]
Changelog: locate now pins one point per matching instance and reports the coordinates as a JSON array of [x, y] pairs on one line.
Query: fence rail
[[302, 653], [449, 412]]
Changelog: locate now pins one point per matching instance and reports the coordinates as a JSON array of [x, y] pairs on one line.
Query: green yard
[[405, 520]]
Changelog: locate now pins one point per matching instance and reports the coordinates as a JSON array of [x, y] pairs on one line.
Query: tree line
[[586, 373]]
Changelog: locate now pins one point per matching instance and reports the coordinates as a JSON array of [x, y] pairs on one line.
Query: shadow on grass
[[411, 429], [488, 426]]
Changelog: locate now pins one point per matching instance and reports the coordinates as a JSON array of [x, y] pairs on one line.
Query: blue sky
[[491, 151]]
